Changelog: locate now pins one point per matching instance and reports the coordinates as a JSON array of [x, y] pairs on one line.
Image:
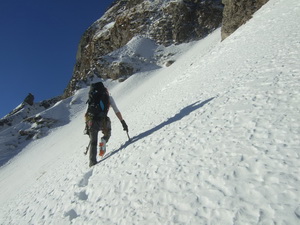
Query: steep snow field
[[214, 140]]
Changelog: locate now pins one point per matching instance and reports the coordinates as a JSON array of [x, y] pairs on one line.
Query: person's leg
[[106, 129], [93, 132]]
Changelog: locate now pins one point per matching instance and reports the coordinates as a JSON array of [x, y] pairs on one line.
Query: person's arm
[[115, 108], [118, 113]]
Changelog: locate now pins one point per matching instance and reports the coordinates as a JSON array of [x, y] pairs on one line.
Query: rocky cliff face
[[237, 12], [164, 21]]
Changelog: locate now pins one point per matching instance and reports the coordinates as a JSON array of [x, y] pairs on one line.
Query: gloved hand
[[125, 127]]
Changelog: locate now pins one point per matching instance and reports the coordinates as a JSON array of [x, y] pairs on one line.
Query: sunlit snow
[[214, 140]]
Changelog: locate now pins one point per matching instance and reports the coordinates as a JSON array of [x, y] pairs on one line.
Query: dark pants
[[94, 127]]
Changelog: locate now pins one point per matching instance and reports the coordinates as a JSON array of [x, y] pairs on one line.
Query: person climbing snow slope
[[96, 119]]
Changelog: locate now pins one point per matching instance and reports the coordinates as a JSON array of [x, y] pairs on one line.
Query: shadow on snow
[[183, 112]]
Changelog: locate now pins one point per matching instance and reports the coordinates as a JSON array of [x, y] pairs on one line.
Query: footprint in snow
[[71, 214], [82, 195], [297, 212], [85, 180]]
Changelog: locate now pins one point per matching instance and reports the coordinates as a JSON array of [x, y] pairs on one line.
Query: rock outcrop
[[238, 12], [29, 99], [25, 110], [164, 21]]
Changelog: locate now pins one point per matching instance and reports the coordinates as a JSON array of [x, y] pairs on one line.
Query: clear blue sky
[[38, 45]]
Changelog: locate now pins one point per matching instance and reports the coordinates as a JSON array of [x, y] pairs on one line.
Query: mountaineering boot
[[92, 163], [102, 146]]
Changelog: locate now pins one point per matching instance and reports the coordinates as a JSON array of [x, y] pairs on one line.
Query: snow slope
[[215, 140]]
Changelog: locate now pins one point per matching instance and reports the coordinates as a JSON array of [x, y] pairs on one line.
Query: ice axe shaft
[[128, 136], [87, 148]]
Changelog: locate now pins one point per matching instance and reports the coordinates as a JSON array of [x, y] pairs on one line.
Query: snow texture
[[214, 140]]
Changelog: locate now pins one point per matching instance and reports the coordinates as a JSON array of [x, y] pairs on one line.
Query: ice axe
[[125, 127]]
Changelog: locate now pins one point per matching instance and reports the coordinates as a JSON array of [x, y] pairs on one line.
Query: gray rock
[[29, 99], [238, 12]]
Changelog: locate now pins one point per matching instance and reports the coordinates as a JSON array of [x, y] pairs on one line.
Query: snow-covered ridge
[[31, 122], [215, 140], [143, 54]]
